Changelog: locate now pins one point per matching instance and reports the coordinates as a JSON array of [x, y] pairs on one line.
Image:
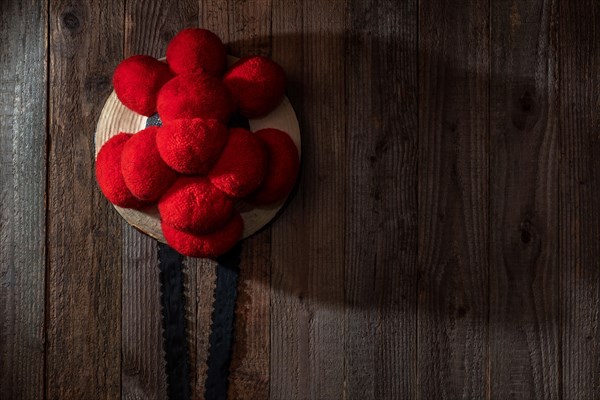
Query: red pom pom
[[196, 50], [210, 245], [191, 146], [192, 204], [109, 176], [282, 170], [145, 173], [194, 96], [137, 81], [242, 165], [258, 85]]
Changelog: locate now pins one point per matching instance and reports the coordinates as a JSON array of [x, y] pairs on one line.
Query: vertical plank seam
[[345, 253], [556, 93], [489, 208], [47, 214], [418, 189]]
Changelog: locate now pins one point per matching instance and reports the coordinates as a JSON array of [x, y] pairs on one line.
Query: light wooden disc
[[115, 118]]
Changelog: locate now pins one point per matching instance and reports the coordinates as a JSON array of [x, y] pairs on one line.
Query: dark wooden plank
[[308, 249], [148, 28], [381, 200], [453, 199], [142, 356], [200, 279], [23, 81], [150, 25], [83, 357], [249, 370], [245, 28], [579, 198], [524, 330]]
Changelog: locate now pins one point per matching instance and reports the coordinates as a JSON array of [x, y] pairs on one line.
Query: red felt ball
[[194, 96], [145, 173], [193, 204], [196, 50], [191, 146], [258, 85], [282, 167], [109, 176], [210, 245], [242, 165], [137, 81]]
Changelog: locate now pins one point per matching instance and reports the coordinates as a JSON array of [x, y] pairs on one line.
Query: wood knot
[[525, 108], [97, 84], [526, 102], [71, 21], [461, 311], [526, 231]]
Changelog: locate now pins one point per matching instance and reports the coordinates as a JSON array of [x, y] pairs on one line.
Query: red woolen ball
[[282, 167], [137, 81], [194, 96], [258, 85], [193, 204], [191, 146], [210, 245], [109, 176], [145, 173], [242, 165], [196, 50]]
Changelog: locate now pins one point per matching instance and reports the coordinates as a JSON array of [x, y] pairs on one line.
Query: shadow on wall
[[381, 200]]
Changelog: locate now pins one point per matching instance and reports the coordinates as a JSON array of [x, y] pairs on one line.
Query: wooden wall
[[443, 241]]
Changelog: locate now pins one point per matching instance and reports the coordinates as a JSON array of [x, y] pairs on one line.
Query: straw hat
[[115, 118]]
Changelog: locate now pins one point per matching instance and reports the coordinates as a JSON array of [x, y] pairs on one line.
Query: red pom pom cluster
[[193, 167]]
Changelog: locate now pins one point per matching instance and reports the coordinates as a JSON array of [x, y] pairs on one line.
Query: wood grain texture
[[23, 38], [381, 200], [524, 326], [83, 357], [149, 26], [579, 199], [307, 278], [442, 242], [289, 314], [199, 286], [250, 365], [453, 199], [142, 356]]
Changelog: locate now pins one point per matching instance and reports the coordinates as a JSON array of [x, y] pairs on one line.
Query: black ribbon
[[221, 336], [173, 313]]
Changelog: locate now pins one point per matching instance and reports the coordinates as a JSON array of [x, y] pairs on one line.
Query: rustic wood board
[[524, 346], [579, 199], [453, 199], [442, 242], [381, 193], [23, 132], [84, 240]]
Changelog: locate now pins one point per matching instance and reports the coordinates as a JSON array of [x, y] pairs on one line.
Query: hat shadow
[[349, 233]]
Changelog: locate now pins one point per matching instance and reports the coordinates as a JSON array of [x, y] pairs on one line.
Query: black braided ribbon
[[173, 313], [221, 336]]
